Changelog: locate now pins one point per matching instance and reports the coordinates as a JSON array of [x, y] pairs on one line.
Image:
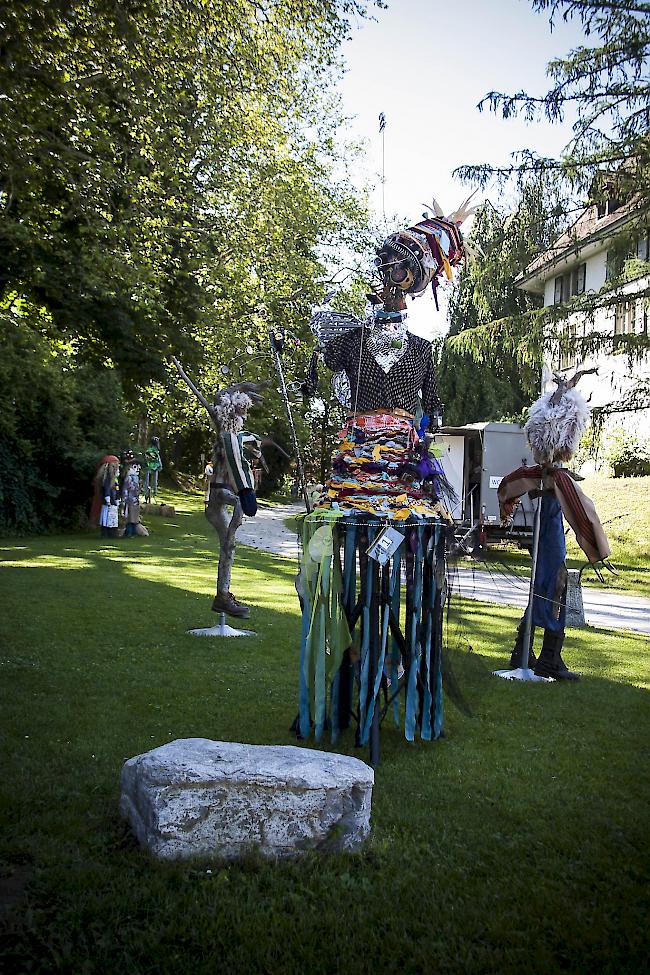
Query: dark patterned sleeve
[[431, 401], [337, 352]]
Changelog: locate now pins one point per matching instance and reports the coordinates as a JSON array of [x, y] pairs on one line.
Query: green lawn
[[623, 506], [519, 843]]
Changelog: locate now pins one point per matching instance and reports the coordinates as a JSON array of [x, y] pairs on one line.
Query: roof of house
[[588, 229]]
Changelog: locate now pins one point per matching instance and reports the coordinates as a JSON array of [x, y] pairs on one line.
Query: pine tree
[[606, 86], [493, 378]]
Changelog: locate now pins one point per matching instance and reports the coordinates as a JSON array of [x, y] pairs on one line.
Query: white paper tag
[[386, 542]]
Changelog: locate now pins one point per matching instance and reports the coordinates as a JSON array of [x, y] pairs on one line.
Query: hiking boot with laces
[[225, 602]]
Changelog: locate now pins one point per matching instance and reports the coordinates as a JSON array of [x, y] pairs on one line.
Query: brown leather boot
[[225, 602], [550, 663], [515, 658]]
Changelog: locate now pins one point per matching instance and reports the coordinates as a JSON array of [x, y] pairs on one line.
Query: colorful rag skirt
[[375, 469]]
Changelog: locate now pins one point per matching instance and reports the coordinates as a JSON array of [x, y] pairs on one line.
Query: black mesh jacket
[[396, 389]]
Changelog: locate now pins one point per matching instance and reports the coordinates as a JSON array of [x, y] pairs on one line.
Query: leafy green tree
[[151, 151], [166, 171], [57, 417]]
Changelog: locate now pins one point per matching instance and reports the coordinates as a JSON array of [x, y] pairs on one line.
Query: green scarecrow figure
[[153, 466]]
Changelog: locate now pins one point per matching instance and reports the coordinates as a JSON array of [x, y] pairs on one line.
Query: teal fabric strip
[[439, 715], [429, 635], [334, 706], [364, 664], [438, 720], [304, 689], [365, 734], [427, 698], [411, 693], [364, 668], [349, 568], [305, 641]]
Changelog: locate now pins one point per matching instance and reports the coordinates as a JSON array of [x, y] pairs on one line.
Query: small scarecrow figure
[[105, 504], [131, 495], [153, 466], [231, 484], [555, 425]]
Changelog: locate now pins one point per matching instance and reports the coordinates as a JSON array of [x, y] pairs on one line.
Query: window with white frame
[[630, 316], [570, 284], [643, 248], [568, 358]]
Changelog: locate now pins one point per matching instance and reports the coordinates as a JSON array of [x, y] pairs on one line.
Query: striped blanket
[[577, 508]]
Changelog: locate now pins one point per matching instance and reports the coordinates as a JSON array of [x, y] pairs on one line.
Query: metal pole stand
[[524, 672], [221, 629]]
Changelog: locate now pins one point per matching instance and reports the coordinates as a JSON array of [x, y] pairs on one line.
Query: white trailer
[[475, 457]]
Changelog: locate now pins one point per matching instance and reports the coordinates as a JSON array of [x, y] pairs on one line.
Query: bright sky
[[426, 64]]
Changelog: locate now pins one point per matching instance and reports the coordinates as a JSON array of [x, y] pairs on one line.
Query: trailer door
[[453, 460]]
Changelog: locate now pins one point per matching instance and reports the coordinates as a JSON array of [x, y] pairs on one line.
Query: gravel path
[[268, 532], [603, 607]]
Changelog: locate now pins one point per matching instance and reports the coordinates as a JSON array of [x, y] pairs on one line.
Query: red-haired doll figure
[[105, 506]]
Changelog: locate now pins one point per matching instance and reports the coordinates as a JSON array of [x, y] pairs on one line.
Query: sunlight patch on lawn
[[48, 562]]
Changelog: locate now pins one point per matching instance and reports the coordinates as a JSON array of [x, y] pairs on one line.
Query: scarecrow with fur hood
[[556, 422]]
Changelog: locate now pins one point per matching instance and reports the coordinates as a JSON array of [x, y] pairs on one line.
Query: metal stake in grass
[[221, 629], [524, 672]]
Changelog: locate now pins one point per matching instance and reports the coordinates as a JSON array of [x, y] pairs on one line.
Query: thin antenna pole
[[383, 173], [287, 405], [382, 131]]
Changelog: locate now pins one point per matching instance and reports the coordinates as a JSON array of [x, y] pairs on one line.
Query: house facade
[[581, 262]]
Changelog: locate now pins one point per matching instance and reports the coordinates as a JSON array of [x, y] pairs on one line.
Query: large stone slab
[[196, 797]]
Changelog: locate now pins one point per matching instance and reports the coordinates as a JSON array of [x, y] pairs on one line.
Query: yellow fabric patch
[[401, 515]]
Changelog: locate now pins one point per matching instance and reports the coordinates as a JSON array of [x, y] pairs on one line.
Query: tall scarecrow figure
[[555, 425], [382, 510]]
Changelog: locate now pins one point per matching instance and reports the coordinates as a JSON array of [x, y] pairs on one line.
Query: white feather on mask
[[554, 431]]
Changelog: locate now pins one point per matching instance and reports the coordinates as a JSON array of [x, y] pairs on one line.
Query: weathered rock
[[196, 797], [166, 510]]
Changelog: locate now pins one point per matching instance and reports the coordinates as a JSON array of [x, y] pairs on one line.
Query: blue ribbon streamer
[[395, 583], [416, 652]]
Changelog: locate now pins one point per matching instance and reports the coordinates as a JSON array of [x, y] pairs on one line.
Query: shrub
[[628, 455], [57, 417]]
